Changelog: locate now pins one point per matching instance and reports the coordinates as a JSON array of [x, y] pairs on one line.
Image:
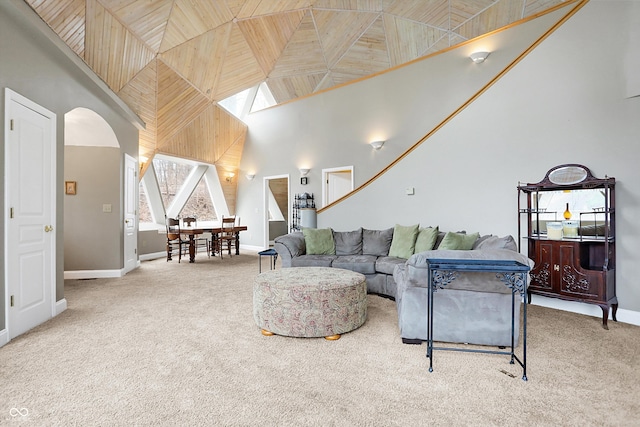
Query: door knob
[[48, 228]]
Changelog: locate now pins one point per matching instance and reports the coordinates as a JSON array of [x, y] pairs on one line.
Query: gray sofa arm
[[289, 246]]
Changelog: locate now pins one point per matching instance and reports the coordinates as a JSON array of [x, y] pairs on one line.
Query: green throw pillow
[[458, 241], [319, 241], [426, 239], [451, 241], [468, 240], [404, 241]]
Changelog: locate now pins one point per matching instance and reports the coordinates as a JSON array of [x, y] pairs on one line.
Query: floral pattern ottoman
[[309, 301]]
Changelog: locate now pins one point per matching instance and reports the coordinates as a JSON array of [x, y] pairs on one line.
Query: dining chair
[[201, 241], [174, 239], [227, 235]]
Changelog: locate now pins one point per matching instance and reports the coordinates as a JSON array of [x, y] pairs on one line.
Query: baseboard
[[93, 274], [625, 316], [154, 255], [3, 337], [60, 306], [251, 248]]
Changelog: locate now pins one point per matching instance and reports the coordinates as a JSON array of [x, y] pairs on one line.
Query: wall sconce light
[[229, 177], [376, 144], [250, 176], [479, 57], [304, 172]]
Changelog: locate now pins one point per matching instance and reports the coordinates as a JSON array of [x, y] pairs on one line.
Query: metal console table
[[512, 273]]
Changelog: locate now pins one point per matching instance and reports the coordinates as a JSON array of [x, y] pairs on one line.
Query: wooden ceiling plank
[[533, 7], [498, 15], [369, 54], [285, 89], [430, 12], [240, 70], [408, 40], [191, 18], [303, 44], [147, 20], [362, 5], [268, 36], [339, 30]]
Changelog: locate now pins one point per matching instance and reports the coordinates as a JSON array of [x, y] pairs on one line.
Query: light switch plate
[[410, 191], [106, 208]]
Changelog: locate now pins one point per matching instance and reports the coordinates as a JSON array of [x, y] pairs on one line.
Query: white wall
[[556, 106]]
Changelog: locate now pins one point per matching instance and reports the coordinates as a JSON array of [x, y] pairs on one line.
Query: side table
[[512, 273], [272, 261]]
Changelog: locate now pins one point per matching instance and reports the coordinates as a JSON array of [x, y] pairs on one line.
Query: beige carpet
[[176, 345]]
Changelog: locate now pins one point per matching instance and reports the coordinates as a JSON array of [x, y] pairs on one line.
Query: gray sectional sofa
[[475, 308], [362, 251]]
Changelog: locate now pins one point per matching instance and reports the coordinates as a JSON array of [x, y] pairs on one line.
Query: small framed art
[[70, 187], [304, 180]]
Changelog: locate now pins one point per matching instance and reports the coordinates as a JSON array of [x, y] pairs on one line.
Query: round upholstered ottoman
[[309, 301]]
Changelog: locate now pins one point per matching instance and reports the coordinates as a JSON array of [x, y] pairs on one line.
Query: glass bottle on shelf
[[567, 213]]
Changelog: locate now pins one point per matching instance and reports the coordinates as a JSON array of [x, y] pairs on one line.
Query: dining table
[[215, 231]]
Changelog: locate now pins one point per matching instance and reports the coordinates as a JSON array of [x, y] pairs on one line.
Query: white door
[[130, 216], [336, 183], [30, 201]]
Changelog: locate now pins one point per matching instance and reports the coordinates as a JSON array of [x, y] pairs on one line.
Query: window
[[249, 100], [199, 204], [176, 180]]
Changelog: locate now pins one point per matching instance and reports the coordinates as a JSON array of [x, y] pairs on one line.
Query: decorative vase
[[567, 213]]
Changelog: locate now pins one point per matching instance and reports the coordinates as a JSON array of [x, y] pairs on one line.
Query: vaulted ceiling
[[171, 61]]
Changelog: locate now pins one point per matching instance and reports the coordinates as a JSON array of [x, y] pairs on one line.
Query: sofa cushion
[[386, 264], [365, 264], [319, 241], [376, 242], [426, 239], [495, 242], [404, 241], [313, 261], [348, 242], [458, 241]]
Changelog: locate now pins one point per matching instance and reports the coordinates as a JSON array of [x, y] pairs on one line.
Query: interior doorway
[[277, 207], [30, 199], [336, 182]]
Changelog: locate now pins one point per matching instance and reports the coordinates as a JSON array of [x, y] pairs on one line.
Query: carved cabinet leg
[[605, 315]]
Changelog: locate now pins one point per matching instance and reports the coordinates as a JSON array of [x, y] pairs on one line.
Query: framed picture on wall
[[303, 180], [70, 187]]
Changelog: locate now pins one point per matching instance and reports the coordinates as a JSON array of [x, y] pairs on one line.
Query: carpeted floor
[[176, 345]]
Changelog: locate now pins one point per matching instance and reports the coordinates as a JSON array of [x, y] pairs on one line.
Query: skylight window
[[249, 101]]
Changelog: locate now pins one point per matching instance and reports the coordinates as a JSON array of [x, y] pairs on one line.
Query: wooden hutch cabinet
[[570, 234]]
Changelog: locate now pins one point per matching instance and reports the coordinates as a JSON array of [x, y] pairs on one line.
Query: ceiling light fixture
[[479, 57], [376, 144], [230, 176]]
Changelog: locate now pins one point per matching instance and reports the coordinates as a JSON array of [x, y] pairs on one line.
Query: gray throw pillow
[[348, 242], [376, 242]]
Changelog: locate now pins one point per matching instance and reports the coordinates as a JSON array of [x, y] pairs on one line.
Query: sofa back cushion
[[426, 239], [348, 242], [495, 242], [319, 241], [404, 241], [376, 242]]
